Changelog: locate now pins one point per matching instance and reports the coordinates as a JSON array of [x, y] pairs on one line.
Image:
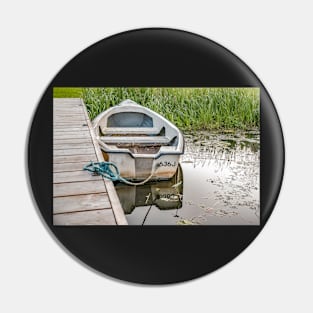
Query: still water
[[217, 183]]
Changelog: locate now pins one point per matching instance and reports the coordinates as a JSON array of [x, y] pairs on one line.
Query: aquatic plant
[[187, 108]]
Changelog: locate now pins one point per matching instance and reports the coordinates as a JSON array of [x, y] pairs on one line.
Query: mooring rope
[[110, 171]]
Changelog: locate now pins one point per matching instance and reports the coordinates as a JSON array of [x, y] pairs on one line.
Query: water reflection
[[217, 184], [164, 195]]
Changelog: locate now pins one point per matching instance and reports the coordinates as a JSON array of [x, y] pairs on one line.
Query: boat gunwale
[[130, 106]]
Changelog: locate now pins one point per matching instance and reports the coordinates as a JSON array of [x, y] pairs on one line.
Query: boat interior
[[135, 131]]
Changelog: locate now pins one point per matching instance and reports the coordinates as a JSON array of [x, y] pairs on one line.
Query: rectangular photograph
[[156, 156]]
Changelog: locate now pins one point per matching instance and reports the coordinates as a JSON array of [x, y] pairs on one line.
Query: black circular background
[[156, 58]]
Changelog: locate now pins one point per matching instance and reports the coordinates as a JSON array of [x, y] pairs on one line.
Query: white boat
[[139, 141]]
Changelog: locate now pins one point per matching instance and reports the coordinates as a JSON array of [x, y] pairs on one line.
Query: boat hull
[[136, 169]]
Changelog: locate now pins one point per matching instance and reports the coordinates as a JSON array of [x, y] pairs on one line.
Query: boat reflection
[[166, 195]]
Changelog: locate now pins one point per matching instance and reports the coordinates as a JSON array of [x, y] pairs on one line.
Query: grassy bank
[[187, 108], [66, 92]]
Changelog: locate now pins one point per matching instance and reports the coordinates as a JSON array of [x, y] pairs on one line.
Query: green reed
[[187, 108]]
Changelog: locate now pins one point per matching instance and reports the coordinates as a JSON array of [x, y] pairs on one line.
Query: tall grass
[[187, 108], [67, 92]]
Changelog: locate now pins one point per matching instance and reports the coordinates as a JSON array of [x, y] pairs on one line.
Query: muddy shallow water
[[217, 183]]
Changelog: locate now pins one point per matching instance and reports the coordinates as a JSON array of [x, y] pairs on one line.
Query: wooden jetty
[[78, 197]]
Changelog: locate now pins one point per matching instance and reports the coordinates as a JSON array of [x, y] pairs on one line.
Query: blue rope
[[110, 171], [106, 169]]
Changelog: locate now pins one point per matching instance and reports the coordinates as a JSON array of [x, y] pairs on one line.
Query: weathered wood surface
[[73, 176], [95, 217], [73, 158], [70, 140], [79, 203], [70, 129], [68, 167], [71, 135], [78, 188], [79, 198], [74, 151], [68, 145]]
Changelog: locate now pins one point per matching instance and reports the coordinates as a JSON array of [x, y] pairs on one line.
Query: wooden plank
[[69, 107], [71, 145], [60, 120], [68, 167], [61, 101], [74, 151], [71, 135], [74, 158], [85, 140], [70, 129], [69, 123], [96, 217], [78, 188], [72, 112], [74, 176], [75, 111], [62, 125], [77, 130], [115, 202], [81, 203], [93, 135], [66, 100], [60, 114], [69, 118], [66, 105]]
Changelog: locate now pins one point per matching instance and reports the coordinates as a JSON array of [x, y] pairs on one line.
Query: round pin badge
[[155, 156]]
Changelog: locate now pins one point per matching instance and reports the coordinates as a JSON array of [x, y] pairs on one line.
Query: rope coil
[[110, 171]]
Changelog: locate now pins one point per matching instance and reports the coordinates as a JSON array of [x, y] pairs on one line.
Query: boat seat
[[130, 130], [138, 140]]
